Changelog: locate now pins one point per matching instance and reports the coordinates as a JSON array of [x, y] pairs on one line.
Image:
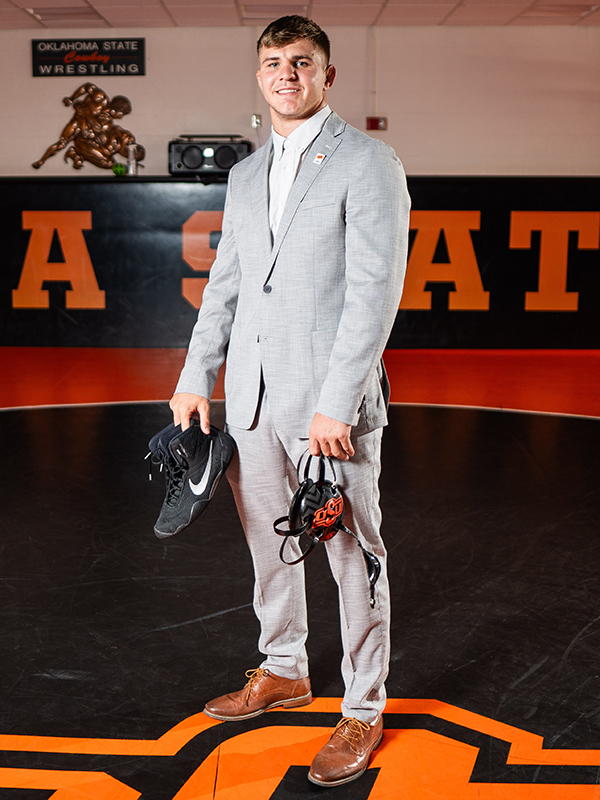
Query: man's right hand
[[185, 406]]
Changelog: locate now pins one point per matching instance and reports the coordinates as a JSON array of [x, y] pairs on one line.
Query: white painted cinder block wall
[[459, 101]]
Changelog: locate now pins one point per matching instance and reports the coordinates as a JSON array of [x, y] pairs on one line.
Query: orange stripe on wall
[[64, 375], [554, 381]]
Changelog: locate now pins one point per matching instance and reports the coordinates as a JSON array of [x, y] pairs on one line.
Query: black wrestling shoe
[[193, 463]]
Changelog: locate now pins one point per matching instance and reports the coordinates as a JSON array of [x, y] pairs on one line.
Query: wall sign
[[90, 57]]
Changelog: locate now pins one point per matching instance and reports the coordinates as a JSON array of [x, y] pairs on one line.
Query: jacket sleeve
[[377, 222], [210, 336]]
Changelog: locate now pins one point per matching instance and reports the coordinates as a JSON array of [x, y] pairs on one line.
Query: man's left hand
[[330, 437]]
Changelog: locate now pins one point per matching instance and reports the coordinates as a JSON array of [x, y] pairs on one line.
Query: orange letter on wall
[[462, 270], [76, 268], [197, 251], [552, 293]]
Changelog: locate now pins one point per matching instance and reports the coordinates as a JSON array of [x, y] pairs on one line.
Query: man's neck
[[284, 125]]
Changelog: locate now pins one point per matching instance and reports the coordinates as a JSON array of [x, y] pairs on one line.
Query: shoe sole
[[350, 777], [295, 703]]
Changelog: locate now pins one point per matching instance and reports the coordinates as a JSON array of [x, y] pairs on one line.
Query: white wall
[[493, 101]]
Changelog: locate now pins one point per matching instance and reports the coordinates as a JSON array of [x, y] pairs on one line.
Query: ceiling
[[72, 14]]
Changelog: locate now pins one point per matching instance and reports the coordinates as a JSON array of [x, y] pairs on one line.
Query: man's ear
[[258, 79], [330, 74]]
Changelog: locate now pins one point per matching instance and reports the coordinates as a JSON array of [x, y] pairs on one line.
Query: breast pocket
[[321, 208]]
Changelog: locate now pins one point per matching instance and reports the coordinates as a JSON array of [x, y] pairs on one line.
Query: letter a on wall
[[462, 269], [76, 268]]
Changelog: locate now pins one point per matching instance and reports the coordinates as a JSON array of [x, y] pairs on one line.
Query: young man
[[302, 297]]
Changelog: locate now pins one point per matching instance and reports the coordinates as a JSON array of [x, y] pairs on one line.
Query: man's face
[[293, 80]]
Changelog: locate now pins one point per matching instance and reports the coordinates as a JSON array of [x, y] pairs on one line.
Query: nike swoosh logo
[[200, 488]]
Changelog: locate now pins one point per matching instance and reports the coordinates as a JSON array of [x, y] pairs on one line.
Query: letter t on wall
[[554, 226]]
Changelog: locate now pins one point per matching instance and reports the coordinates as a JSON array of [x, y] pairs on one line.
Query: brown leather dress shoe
[[346, 755], [263, 691]]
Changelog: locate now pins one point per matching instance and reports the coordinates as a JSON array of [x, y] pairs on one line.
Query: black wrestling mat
[[113, 640]]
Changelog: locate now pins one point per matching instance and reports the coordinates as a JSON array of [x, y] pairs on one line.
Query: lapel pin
[[319, 157]]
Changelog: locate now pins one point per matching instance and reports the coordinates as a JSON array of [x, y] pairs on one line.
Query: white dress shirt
[[287, 158]]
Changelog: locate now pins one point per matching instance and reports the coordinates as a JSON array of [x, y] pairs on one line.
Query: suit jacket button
[[267, 289]]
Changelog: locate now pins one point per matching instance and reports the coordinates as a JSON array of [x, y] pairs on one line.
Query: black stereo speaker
[[208, 158]]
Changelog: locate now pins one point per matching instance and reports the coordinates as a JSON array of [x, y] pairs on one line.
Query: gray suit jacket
[[313, 310]]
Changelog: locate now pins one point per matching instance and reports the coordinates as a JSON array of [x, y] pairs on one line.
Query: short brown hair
[[286, 30]]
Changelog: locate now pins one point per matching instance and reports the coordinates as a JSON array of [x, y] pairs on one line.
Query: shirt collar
[[302, 136]]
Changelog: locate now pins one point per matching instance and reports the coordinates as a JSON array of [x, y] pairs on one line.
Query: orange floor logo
[[413, 763]]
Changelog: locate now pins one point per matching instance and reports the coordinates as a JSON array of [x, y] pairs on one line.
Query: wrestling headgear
[[317, 510]]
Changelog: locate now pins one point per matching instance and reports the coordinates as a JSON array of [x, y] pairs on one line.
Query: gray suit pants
[[263, 480]]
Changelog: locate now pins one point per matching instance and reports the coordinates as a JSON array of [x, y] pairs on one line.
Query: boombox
[[207, 157]]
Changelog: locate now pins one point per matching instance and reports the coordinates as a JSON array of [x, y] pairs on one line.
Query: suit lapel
[[315, 160], [258, 195]]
